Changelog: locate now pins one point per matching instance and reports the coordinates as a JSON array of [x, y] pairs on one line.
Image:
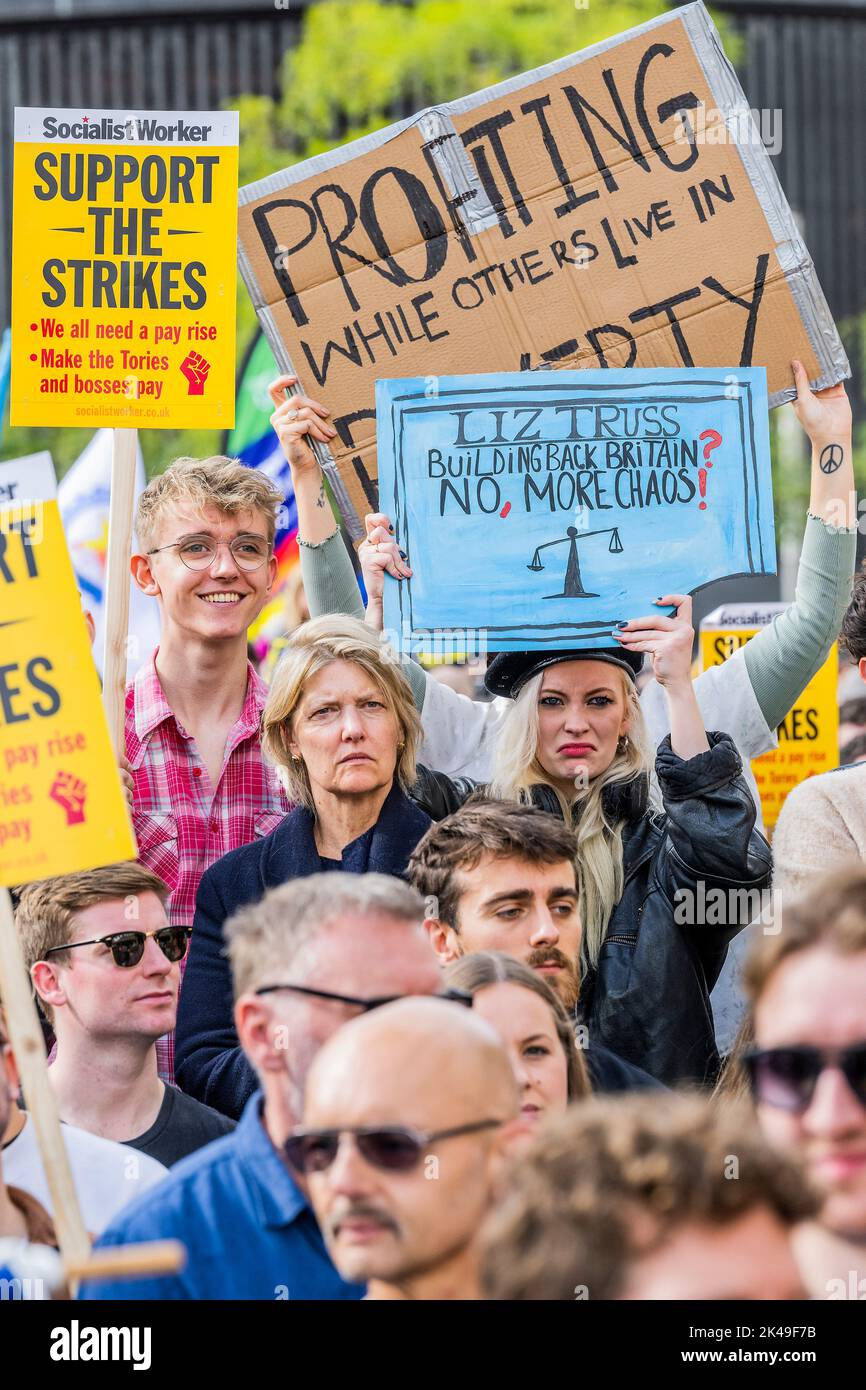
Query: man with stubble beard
[[497, 876]]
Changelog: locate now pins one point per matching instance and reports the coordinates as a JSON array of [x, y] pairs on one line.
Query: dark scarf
[[383, 849]]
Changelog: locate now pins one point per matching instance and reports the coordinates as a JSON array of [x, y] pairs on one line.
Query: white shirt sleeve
[[459, 733], [728, 705]]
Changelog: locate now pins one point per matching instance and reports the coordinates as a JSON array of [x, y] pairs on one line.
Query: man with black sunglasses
[[410, 1111], [105, 964], [314, 954], [807, 1068]]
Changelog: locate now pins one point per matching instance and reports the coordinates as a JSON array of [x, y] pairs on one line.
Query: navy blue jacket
[[209, 1063], [248, 1229]]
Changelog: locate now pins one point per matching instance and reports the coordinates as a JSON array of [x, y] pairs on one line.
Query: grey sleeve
[[783, 658], [331, 587], [417, 678], [329, 580]]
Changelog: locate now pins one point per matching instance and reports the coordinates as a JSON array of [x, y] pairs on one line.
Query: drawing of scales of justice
[[573, 585]]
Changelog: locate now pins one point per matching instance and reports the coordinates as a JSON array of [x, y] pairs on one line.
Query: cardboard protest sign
[[809, 735], [62, 807], [541, 509], [123, 268], [613, 209]]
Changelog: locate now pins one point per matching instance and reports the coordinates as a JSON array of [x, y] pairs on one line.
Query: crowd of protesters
[[399, 1000]]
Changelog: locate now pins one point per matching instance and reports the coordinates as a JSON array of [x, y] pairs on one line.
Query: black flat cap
[[508, 672]]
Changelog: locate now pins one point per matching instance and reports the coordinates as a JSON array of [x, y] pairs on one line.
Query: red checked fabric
[[181, 822]]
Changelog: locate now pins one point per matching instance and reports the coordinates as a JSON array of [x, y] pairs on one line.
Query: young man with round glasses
[[205, 533], [807, 1068], [105, 964]]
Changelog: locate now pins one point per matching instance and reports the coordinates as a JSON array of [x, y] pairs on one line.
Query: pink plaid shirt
[[182, 823]]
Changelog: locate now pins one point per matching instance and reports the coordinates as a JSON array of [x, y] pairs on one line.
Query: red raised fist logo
[[70, 793], [195, 369]]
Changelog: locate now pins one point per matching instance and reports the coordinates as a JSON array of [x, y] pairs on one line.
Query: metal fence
[[807, 58]]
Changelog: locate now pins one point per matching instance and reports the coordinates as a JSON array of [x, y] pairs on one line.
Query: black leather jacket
[[440, 795], [648, 998]]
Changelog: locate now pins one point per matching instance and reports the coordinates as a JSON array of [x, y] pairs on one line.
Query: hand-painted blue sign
[[540, 509]]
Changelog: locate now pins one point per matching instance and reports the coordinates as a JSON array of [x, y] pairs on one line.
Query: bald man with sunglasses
[[409, 1113], [105, 965]]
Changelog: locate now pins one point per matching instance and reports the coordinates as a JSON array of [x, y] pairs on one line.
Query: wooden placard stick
[[123, 462], [25, 1035], [131, 1261]]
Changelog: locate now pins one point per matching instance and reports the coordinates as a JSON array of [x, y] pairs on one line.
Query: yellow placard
[[124, 269], [62, 806], [808, 737]]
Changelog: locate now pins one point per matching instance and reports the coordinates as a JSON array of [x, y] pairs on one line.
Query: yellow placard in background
[[62, 807], [124, 269], [809, 736]]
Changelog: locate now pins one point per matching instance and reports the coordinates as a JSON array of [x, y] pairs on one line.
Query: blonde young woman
[[582, 748], [575, 742], [748, 696]]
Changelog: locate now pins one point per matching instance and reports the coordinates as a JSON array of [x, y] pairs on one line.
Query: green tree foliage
[[362, 64], [395, 58]]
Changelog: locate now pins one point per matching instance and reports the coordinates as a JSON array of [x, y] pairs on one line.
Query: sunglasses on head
[[394, 1148], [786, 1077], [127, 947]]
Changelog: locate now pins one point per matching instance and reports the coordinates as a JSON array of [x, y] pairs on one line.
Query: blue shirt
[[248, 1229]]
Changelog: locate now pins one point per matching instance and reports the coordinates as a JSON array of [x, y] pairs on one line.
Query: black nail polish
[[622, 624], [403, 555]]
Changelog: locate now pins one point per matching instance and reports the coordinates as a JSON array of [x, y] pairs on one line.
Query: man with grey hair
[[310, 956]]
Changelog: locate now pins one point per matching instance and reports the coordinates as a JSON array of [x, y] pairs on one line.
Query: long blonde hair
[[599, 863]]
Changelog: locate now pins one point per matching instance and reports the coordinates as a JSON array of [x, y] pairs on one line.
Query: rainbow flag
[[5, 363], [253, 441]]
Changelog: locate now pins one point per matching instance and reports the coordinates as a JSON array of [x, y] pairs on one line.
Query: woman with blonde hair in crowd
[[574, 742], [342, 729]]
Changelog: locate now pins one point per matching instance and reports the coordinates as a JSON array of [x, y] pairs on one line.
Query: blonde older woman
[[342, 729]]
